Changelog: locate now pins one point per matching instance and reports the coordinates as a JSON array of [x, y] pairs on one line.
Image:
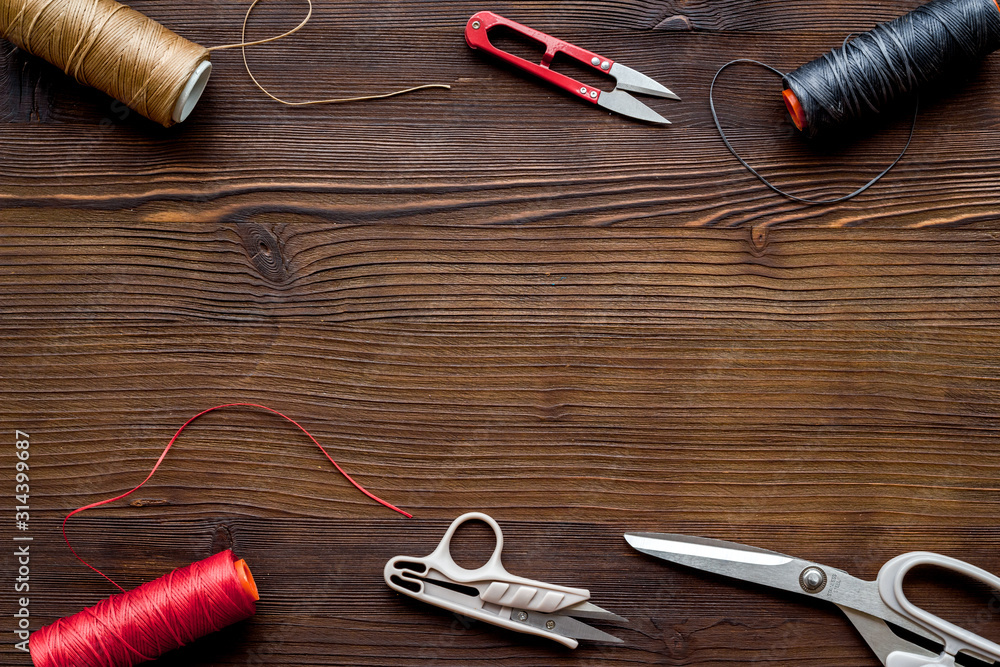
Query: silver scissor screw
[[593, 94], [812, 580], [475, 25], [605, 65], [551, 625], [522, 616], [595, 62], [583, 90]]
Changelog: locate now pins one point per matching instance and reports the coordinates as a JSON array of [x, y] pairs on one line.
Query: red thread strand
[[143, 624], [167, 449]]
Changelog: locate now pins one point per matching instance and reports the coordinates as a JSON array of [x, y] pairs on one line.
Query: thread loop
[[873, 73], [765, 181]]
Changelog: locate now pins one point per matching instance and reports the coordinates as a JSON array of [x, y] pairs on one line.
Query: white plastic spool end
[[192, 91]]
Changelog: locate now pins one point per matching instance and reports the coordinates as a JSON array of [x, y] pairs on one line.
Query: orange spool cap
[[795, 109], [246, 579]]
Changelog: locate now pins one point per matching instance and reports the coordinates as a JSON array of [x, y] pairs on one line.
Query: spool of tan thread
[[104, 44], [131, 57]]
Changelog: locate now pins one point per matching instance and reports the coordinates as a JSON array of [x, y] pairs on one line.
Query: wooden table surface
[[496, 298]]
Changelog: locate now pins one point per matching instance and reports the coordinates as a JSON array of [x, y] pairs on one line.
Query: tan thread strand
[[31, 26], [88, 38], [243, 44], [243, 36], [109, 46], [80, 41]]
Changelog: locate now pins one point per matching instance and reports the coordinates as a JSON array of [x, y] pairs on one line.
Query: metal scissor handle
[[955, 639]]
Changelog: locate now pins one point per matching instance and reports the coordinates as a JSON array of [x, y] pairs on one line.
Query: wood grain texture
[[496, 298], [498, 149], [830, 393]]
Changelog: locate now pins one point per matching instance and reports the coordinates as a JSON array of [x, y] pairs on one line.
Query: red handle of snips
[[476, 34]]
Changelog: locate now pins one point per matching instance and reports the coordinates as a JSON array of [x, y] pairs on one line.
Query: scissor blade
[[769, 568], [637, 82], [725, 558], [590, 610], [566, 626], [436, 590], [621, 102]]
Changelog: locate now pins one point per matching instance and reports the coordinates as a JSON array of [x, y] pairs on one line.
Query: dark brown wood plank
[[347, 615], [495, 298], [552, 275], [498, 148], [829, 393]]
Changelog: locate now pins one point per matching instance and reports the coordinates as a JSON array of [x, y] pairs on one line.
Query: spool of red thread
[[157, 617]]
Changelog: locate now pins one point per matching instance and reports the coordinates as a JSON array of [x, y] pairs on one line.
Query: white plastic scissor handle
[[956, 639], [502, 588], [441, 560]]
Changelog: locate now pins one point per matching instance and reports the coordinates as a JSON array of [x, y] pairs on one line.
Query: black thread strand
[[801, 200]]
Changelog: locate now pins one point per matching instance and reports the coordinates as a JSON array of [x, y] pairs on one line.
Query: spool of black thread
[[871, 74]]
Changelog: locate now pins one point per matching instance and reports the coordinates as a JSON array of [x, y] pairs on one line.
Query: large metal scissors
[[870, 605]]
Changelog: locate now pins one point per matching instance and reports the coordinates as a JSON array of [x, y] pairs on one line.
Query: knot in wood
[[222, 539], [264, 251], [758, 239], [678, 22], [149, 502]]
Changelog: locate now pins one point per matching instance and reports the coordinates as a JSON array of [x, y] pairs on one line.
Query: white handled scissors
[[869, 605], [491, 594]]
